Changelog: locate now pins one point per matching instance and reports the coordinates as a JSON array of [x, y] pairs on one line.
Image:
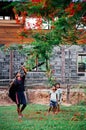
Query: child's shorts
[[53, 104]]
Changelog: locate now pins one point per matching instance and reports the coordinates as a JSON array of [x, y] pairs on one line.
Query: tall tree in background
[[68, 24], [65, 16]]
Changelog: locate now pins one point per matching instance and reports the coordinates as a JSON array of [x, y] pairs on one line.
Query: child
[[59, 94], [53, 100]]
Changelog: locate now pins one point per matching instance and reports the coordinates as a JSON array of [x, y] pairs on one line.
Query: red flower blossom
[[71, 5], [79, 7], [72, 12], [17, 18], [73, 8], [36, 0]]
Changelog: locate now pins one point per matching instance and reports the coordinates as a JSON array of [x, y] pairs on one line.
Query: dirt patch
[[41, 96], [4, 98], [38, 96]]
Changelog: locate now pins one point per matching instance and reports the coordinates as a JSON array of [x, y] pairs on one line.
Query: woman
[[20, 88]]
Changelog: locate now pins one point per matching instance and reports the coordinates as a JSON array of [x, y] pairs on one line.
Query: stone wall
[[10, 63], [63, 61], [36, 79]]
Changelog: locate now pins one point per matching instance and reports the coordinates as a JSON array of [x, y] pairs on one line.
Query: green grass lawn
[[36, 118]]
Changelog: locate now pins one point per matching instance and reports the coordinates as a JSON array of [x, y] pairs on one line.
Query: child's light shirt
[[59, 91], [53, 96]]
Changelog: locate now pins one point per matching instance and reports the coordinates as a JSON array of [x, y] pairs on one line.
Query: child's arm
[[49, 94], [60, 96], [24, 69], [57, 97]]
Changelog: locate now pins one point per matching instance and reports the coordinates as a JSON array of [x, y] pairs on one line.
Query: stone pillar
[[63, 64]]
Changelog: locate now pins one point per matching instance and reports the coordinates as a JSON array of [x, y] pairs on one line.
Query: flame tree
[[68, 23], [66, 18]]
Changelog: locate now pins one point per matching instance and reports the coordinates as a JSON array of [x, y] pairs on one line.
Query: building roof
[[10, 34]]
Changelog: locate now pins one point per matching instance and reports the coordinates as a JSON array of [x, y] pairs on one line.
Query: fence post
[[11, 65], [68, 93]]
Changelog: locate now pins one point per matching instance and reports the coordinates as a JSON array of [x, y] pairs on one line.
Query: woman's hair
[[16, 73]]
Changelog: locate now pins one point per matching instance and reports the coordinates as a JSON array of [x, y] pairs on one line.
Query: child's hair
[[53, 88], [57, 84]]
